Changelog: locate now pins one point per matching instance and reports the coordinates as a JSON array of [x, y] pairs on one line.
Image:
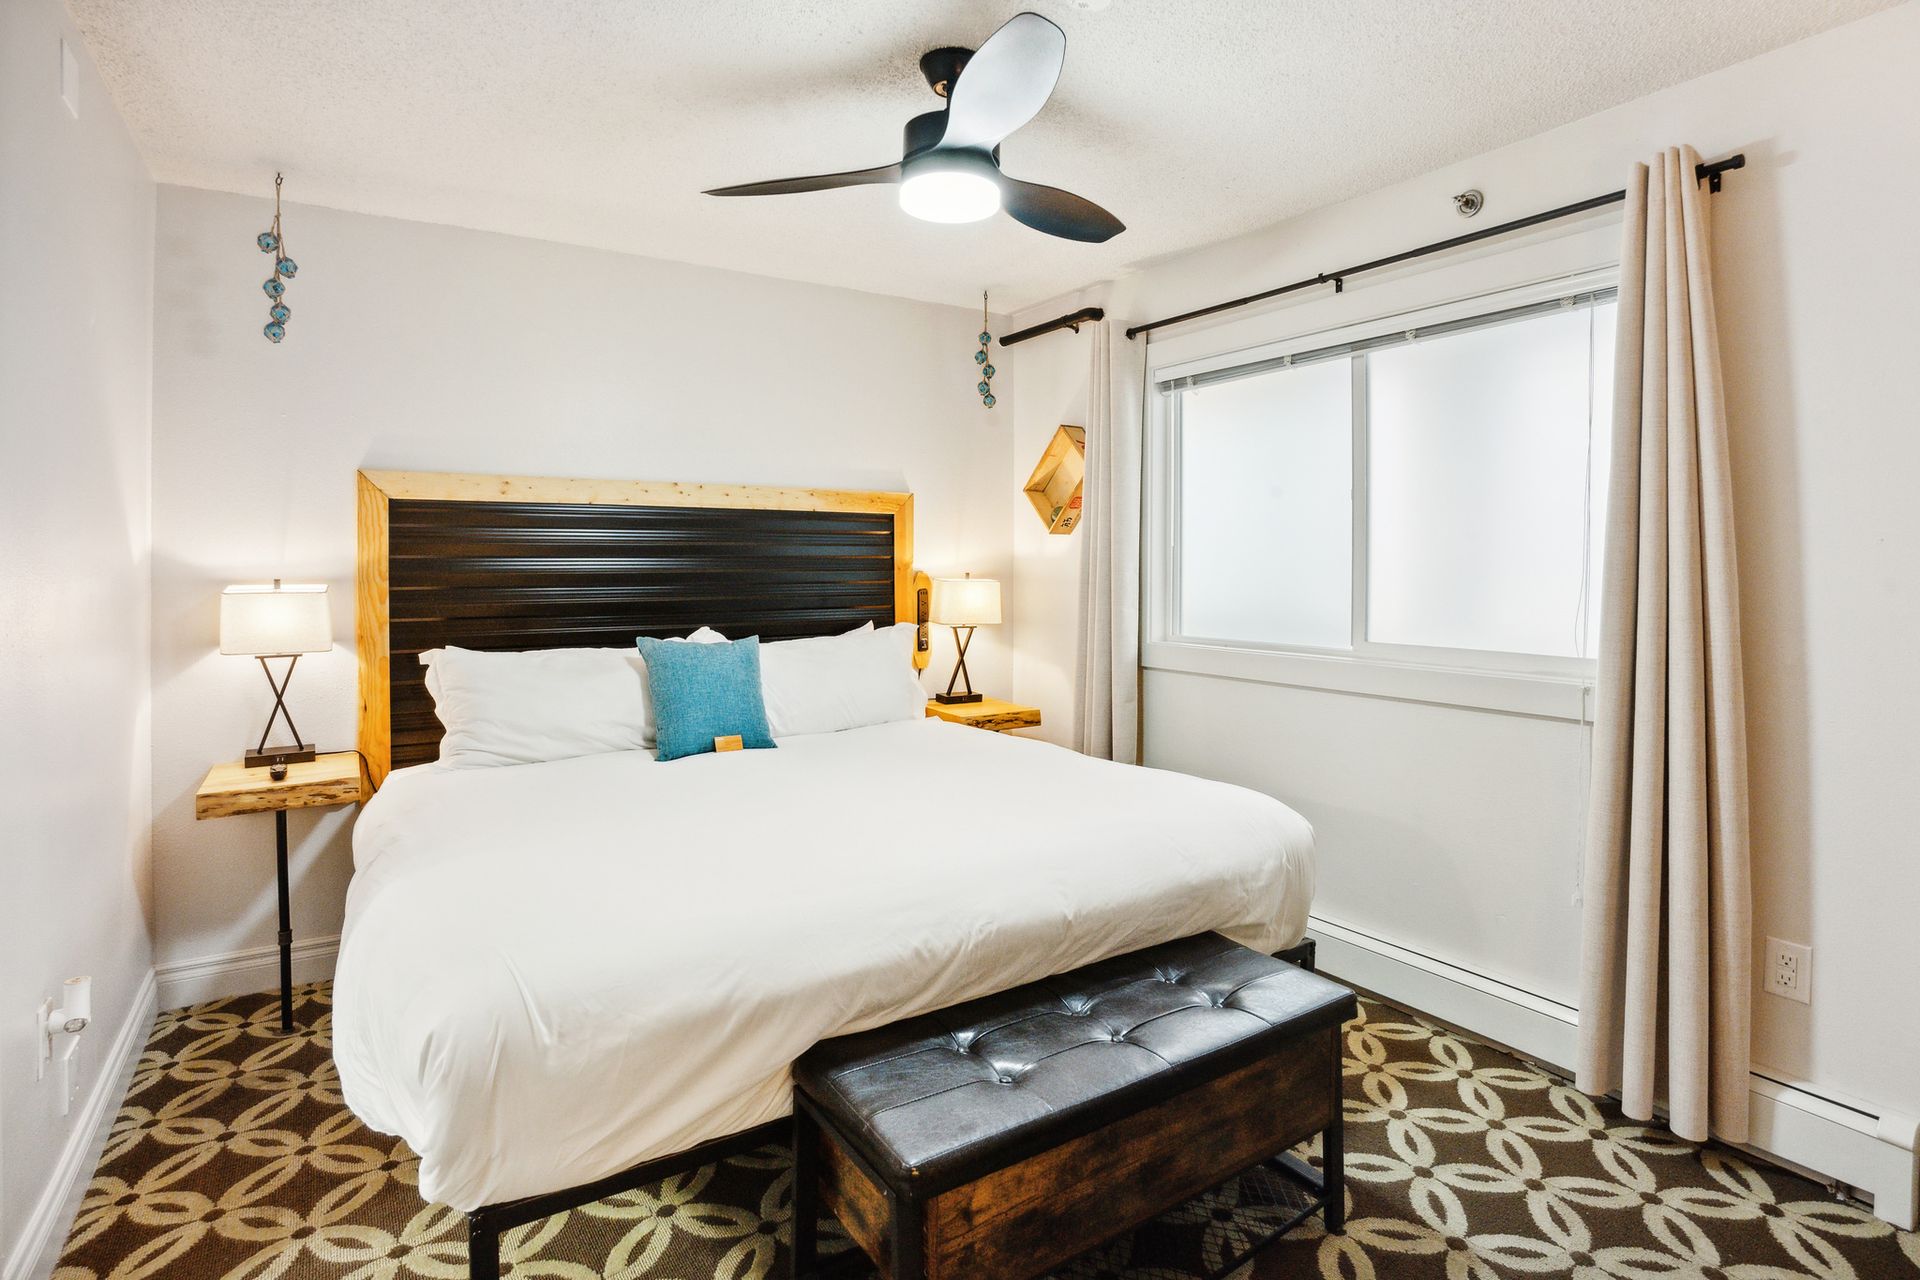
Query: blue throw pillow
[[704, 691]]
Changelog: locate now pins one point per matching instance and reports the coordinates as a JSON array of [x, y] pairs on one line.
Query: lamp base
[[271, 756], [948, 699]]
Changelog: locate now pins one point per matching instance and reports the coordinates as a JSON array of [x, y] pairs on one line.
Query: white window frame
[[1528, 684]]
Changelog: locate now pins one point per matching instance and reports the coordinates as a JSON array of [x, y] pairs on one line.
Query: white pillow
[[841, 682], [865, 628], [540, 704], [524, 706]]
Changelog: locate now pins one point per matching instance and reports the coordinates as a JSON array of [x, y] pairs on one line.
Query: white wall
[[1456, 833], [1041, 601], [418, 346], [76, 275]]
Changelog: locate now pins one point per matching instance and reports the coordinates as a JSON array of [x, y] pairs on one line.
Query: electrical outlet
[[1790, 970]]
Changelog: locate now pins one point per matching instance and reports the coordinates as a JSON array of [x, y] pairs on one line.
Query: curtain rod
[[1086, 315], [1708, 173]]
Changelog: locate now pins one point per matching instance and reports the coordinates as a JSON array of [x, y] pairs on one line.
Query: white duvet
[[550, 972]]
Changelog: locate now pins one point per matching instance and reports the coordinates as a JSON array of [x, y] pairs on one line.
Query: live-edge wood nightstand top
[[333, 778], [988, 713]]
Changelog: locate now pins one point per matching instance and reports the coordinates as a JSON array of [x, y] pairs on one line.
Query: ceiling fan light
[[950, 195]]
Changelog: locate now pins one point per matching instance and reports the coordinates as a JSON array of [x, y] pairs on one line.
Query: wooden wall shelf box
[[1054, 488]]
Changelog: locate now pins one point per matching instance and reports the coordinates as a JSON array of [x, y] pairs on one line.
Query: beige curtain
[[1665, 985], [1106, 719]]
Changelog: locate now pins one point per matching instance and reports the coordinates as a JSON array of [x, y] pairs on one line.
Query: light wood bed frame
[[377, 489]]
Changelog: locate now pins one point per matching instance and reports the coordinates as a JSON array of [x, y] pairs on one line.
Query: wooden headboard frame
[[378, 489]]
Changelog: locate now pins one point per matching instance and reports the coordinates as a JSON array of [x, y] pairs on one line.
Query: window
[[1431, 495], [1266, 480]]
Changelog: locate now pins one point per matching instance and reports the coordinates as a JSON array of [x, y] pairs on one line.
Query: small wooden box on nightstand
[[232, 789], [988, 713]]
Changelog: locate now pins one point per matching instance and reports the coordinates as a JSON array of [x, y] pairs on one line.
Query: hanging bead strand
[[284, 269], [980, 357]]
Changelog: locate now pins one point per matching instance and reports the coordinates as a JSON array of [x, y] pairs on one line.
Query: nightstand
[[229, 789], [988, 713]]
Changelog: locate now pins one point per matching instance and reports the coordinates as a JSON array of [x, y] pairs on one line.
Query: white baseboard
[[240, 973], [1541, 1029], [1867, 1148], [37, 1251]]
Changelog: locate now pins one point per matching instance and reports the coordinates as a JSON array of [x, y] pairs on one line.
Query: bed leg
[[1301, 953], [483, 1247], [806, 1194]]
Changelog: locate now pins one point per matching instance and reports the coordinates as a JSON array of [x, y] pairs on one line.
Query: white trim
[[1554, 697], [1534, 1026], [1867, 1148], [239, 973], [1387, 322], [37, 1251], [1359, 505]]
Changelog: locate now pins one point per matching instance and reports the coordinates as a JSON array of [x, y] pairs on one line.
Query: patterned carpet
[[234, 1159]]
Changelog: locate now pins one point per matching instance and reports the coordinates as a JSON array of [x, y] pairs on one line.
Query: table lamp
[[280, 621], [963, 604]]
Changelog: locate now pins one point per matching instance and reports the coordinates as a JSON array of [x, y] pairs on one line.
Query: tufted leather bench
[[998, 1138]]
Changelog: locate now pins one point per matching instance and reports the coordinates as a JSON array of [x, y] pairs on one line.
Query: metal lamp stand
[[277, 757], [962, 636]]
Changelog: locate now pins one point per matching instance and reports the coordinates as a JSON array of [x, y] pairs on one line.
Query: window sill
[[1550, 697]]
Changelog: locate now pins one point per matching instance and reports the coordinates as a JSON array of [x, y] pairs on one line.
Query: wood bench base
[[1025, 1219]]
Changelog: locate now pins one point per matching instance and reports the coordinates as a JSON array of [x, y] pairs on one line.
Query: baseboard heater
[[1866, 1148]]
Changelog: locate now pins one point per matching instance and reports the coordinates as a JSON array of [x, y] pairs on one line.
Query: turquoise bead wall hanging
[[284, 269], [980, 358]]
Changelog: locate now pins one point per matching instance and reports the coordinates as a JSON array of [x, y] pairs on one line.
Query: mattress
[[552, 972]]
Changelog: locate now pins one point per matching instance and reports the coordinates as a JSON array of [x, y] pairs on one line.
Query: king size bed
[[562, 978]]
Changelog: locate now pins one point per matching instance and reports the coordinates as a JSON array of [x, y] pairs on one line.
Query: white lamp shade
[[966, 602], [260, 620]]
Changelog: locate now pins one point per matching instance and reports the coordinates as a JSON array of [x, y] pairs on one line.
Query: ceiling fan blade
[[818, 182], [1058, 213], [1005, 83]]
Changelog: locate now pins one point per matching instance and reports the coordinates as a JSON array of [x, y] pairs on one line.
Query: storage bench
[[998, 1138]]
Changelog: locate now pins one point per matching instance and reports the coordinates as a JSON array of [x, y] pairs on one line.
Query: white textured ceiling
[[599, 122]]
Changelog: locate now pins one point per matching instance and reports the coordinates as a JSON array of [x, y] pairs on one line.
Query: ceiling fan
[[951, 169]]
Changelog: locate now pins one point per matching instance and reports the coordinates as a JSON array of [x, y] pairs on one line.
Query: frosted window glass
[[1481, 532], [1266, 508]]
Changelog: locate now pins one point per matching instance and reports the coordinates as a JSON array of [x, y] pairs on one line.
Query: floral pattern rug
[[234, 1158]]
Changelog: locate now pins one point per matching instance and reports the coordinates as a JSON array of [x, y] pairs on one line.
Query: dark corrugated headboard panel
[[485, 573], [503, 575]]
